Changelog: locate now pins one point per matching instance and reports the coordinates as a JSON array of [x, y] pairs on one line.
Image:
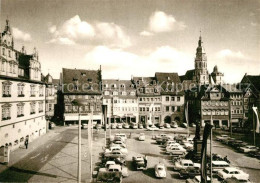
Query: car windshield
[[160, 168], [226, 171]]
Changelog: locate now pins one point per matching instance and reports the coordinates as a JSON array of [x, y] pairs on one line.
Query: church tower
[[201, 72]]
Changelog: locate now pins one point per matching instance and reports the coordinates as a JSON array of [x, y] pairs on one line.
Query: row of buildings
[[28, 100]]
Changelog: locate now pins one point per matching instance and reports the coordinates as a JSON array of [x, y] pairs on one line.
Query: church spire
[[200, 40], [7, 27]]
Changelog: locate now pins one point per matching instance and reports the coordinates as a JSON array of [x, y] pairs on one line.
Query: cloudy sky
[[138, 37]]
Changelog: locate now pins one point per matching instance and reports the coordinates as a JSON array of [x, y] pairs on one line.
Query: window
[[20, 90], [132, 93], [20, 72], [124, 93], [106, 92], [6, 88], [115, 93], [41, 91], [167, 108], [173, 98], [3, 51], [178, 99], [20, 109], [167, 98], [9, 53], [32, 108], [14, 69], [178, 108], [6, 112], [3, 66], [147, 108], [173, 108], [32, 91], [10, 68], [40, 107]]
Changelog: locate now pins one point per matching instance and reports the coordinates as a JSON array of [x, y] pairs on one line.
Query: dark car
[[241, 145], [236, 143], [189, 173], [255, 154]]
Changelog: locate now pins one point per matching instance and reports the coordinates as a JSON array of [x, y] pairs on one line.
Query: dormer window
[[83, 74], [122, 86], [3, 51]]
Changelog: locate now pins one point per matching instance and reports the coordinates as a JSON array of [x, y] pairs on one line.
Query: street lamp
[[79, 103]]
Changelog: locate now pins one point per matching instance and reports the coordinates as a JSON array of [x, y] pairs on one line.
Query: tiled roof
[[121, 85], [188, 75], [254, 80], [167, 77], [87, 81], [143, 80]]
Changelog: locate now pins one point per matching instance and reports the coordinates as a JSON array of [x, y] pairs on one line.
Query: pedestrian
[[145, 161], [130, 135], [26, 143]]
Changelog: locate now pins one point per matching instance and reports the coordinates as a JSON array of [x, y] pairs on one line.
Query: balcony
[[32, 95], [32, 113], [20, 115], [40, 111], [21, 95], [6, 95], [6, 118]]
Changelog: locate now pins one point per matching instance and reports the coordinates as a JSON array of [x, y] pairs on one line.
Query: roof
[[121, 85], [254, 80], [144, 80], [231, 88], [87, 81], [167, 77], [188, 75]]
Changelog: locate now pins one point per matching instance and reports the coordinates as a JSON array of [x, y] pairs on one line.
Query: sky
[[137, 37]]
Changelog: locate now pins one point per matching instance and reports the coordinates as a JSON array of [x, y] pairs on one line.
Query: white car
[[122, 136], [141, 137], [176, 151], [115, 168], [221, 137], [183, 164], [169, 142], [140, 126], [116, 148], [119, 142], [113, 126], [169, 146], [232, 172], [167, 125], [126, 126], [161, 135], [248, 149], [134, 125], [160, 171], [152, 128], [119, 126], [174, 125]]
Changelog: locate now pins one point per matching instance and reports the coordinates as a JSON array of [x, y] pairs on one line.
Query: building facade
[[22, 97], [84, 85], [121, 100]]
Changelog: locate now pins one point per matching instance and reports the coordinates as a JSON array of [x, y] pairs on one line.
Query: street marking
[[35, 156]]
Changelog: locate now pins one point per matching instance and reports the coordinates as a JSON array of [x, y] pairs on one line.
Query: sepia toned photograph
[[130, 91]]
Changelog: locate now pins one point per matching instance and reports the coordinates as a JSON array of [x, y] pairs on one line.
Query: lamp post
[[79, 103]]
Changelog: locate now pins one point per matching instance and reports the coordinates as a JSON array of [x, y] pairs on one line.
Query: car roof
[[115, 166], [220, 163], [231, 169], [110, 162], [159, 165], [186, 161], [139, 158]]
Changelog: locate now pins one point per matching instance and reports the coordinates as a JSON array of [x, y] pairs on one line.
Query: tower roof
[[7, 28], [200, 48]]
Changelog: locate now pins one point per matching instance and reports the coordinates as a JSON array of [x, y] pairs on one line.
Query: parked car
[[184, 125], [228, 140], [122, 136], [141, 126], [115, 154], [243, 144], [167, 125], [221, 137], [188, 146], [152, 128], [255, 154], [176, 151], [115, 168], [119, 142], [219, 165], [141, 137], [52, 125], [139, 163], [236, 143], [161, 126], [183, 164], [160, 171], [116, 148], [232, 172], [134, 125], [168, 143], [113, 125], [119, 125], [248, 149], [84, 126], [235, 180], [174, 125], [126, 126], [189, 172]]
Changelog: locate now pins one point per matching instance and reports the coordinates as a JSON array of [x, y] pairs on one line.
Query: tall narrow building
[[201, 75]]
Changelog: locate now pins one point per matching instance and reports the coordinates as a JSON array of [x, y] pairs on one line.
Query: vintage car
[[255, 154], [141, 126], [139, 163], [126, 126], [152, 128], [134, 126], [168, 143], [106, 176], [98, 126], [115, 168], [167, 125], [248, 149], [119, 125], [169, 146], [121, 135], [116, 148], [159, 170], [174, 124], [221, 137], [235, 180], [141, 137], [189, 172], [119, 142], [176, 151], [232, 172], [188, 146], [115, 154], [219, 165], [184, 164], [113, 125]]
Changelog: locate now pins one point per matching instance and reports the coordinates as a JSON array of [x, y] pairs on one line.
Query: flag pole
[[91, 171], [254, 126], [211, 150], [79, 149]]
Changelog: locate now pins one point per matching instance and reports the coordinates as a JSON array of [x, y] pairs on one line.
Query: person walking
[[26, 143], [145, 161]]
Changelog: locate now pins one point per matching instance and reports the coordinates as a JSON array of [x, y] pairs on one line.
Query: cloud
[[118, 63], [20, 35], [145, 33], [228, 53], [161, 22], [77, 31]]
